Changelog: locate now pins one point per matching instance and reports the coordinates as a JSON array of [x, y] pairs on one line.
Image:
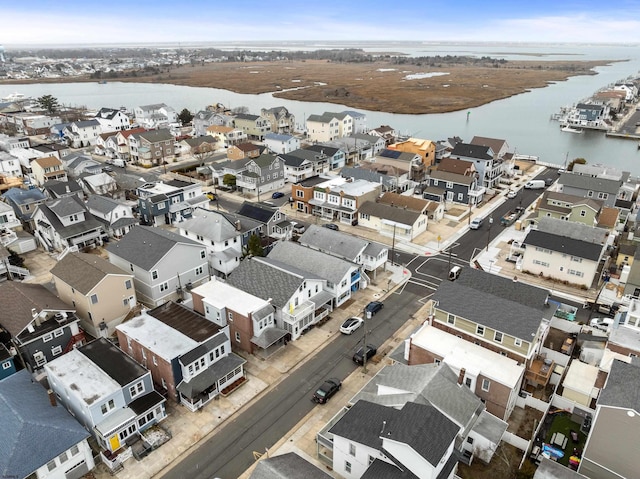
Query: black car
[[358, 357], [326, 390], [373, 307], [277, 194], [331, 226]]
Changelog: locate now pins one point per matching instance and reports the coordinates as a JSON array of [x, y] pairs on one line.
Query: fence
[[534, 403], [516, 441]]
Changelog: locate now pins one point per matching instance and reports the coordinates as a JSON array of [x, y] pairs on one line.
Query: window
[[467, 382], [199, 270], [154, 274], [164, 286], [497, 337], [58, 332], [352, 449], [155, 361], [108, 406], [517, 342], [347, 466], [451, 319], [56, 350], [127, 284], [51, 465], [371, 459], [230, 315], [485, 384], [125, 301], [437, 362], [480, 330], [237, 336], [47, 337], [136, 389], [94, 298], [203, 254], [470, 440]]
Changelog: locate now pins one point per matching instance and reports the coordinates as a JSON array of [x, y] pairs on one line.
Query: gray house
[[487, 164], [604, 189], [261, 175], [38, 438], [165, 265], [109, 393], [442, 186]]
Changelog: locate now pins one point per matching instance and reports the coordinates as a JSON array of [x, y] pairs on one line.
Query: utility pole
[[489, 234], [393, 244], [367, 316]]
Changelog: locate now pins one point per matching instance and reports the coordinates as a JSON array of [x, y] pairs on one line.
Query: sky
[[73, 22]]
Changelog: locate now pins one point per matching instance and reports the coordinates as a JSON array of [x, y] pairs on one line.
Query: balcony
[[539, 371]]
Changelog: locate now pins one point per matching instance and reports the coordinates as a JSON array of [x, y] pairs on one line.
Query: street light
[[367, 315], [489, 234]]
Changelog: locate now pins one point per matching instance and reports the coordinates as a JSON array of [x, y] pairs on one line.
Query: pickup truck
[[511, 216]]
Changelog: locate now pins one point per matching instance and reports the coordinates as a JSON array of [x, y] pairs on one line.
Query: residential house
[[32, 123], [65, 223], [24, 204], [169, 203], [459, 167], [226, 136], [492, 377], [487, 163], [335, 157], [261, 175], [151, 148], [630, 90], [40, 326], [426, 149], [107, 144], [164, 264], [392, 221], [279, 143], [499, 147], [39, 439], [358, 121], [505, 316], [122, 140], [343, 278], [111, 119], [199, 147], [254, 126], [387, 133], [391, 178], [101, 294], [250, 320], [448, 188], [47, 168], [325, 127], [82, 133], [9, 166], [99, 184], [340, 199], [579, 384], [7, 362], [604, 189], [78, 163], [8, 218], [243, 151], [188, 356], [318, 160], [589, 115], [370, 255], [117, 217], [280, 119], [357, 147], [108, 392], [222, 237], [373, 440], [204, 119], [402, 161], [576, 209], [296, 169], [300, 299], [302, 192], [287, 466], [561, 257], [617, 416], [158, 115], [55, 189], [53, 149], [271, 218], [9, 143]]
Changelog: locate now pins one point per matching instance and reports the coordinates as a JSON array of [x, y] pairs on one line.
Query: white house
[[83, 133], [112, 120], [158, 115], [280, 143]]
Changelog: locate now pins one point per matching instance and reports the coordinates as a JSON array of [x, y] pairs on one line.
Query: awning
[[210, 376], [322, 298], [115, 420], [268, 337]]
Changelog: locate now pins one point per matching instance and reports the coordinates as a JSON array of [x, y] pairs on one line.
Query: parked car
[[299, 228], [603, 324], [373, 307], [476, 223], [351, 325], [326, 390], [332, 226], [107, 169], [512, 194], [277, 194], [358, 357], [211, 196], [548, 181]]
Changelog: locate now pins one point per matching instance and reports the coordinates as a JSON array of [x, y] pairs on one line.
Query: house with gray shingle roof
[[261, 175], [102, 294], [107, 391], [78, 163], [598, 188], [41, 326], [446, 187], [24, 204], [336, 157], [562, 257], [488, 165], [287, 466], [65, 223], [82, 133], [300, 297], [254, 126], [152, 148], [392, 221], [57, 189], [343, 277], [157, 115], [169, 202], [38, 438], [113, 120], [280, 119], [576, 209], [117, 217], [272, 220], [280, 143], [416, 440], [165, 265], [189, 356], [611, 448]]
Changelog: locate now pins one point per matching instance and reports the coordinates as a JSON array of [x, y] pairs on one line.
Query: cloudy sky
[[46, 22]]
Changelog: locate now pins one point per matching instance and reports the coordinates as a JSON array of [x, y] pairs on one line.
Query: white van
[[535, 185], [118, 162], [454, 273]]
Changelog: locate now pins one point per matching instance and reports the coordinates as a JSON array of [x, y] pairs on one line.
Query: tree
[[15, 259], [203, 152], [577, 161], [229, 180], [185, 116], [49, 103], [254, 246]]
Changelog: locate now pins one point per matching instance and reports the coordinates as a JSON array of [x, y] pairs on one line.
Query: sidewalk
[[188, 428]]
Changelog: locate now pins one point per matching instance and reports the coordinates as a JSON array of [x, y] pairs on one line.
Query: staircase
[[75, 341]]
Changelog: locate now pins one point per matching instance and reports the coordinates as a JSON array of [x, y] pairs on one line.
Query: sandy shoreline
[[376, 86]]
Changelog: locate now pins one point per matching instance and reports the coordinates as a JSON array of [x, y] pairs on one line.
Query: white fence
[[568, 405], [516, 441], [537, 404]]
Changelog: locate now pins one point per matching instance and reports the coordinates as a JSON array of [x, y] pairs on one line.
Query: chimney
[[461, 376], [238, 227], [52, 397]]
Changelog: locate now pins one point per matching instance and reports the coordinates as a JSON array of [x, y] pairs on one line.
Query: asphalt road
[[229, 452]]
